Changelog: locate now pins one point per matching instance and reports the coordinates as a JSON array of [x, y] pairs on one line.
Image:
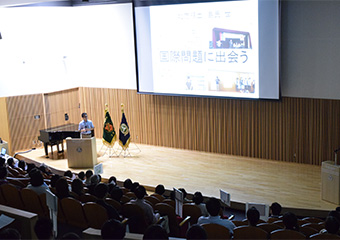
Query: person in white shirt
[[37, 183], [213, 206], [85, 126]]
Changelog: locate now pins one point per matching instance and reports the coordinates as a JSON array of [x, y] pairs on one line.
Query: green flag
[[109, 133]]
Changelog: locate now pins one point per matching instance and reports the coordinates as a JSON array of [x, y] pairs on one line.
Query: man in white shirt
[[85, 126], [213, 206]]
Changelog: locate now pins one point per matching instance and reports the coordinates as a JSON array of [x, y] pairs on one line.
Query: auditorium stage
[[295, 186]]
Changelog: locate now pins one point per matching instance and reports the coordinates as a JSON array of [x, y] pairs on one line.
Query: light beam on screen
[[204, 49]]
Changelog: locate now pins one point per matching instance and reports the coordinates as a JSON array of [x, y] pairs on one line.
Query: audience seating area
[[83, 211]]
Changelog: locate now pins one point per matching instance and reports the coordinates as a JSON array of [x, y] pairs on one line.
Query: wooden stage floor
[[294, 186]]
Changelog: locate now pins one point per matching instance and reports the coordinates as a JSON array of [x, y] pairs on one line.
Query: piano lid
[[66, 127]]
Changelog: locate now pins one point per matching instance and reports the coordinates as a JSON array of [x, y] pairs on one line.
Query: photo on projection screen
[[213, 49]]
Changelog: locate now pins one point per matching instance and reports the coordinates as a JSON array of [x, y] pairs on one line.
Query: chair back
[[272, 219], [308, 231], [95, 214], [87, 198], [216, 231], [269, 227], [171, 202], [12, 196], [324, 236], [130, 195], [316, 226], [238, 223], [249, 232], [167, 210], [32, 202], [286, 234], [193, 211], [158, 196], [74, 213], [115, 204], [152, 200], [280, 223], [313, 219], [124, 199], [137, 219]]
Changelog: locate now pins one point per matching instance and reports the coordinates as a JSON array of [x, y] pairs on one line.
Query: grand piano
[[56, 135]]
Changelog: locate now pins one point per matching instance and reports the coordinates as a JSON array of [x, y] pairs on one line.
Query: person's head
[[116, 193], [196, 231], [134, 186], [3, 172], [84, 116], [160, 189], [275, 209], [155, 231], [140, 192], [113, 229], [77, 186], [253, 216], [184, 192], [37, 178], [44, 228], [112, 180], [88, 174], [54, 180], [30, 166], [213, 206], [70, 235], [81, 175], [9, 233], [10, 162], [94, 180], [2, 161], [128, 183], [100, 190], [332, 225], [335, 214], [22, 164], [68, 173], [61, 187], [290, 221], [337, 209], [198, 198]]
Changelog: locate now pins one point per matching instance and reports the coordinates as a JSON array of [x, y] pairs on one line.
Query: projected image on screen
[[204, 48]]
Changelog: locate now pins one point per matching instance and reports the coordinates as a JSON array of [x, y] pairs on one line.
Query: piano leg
[[46, 150]]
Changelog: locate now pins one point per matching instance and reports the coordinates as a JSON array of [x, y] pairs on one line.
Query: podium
[[81, 152], [330, 182]]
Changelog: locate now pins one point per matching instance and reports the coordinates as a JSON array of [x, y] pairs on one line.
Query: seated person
[[150, 215], [253, 216], [196, 232], [275, 210], [159, 192], [62, 189], [116, 193], [100, 193], [128, 184], [81, 176], [77, 187], [43, 228], [155, 231], [198, 201], [213, 206], [37, 183], [3, 175], [113, 229], [88, 175], [290, 221]]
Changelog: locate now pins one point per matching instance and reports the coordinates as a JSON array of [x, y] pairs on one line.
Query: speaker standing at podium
[[85, 126]]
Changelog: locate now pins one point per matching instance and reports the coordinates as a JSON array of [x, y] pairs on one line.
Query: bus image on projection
[[227, 39]]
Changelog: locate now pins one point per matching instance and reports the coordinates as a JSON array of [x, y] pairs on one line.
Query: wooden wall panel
[[4, 126], [293, 129], [23, 128], [57, 104]]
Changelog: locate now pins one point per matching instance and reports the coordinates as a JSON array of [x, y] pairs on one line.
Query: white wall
[[45, 49]]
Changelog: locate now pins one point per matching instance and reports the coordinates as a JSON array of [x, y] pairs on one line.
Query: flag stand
[[112, 151], [127, 151]]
